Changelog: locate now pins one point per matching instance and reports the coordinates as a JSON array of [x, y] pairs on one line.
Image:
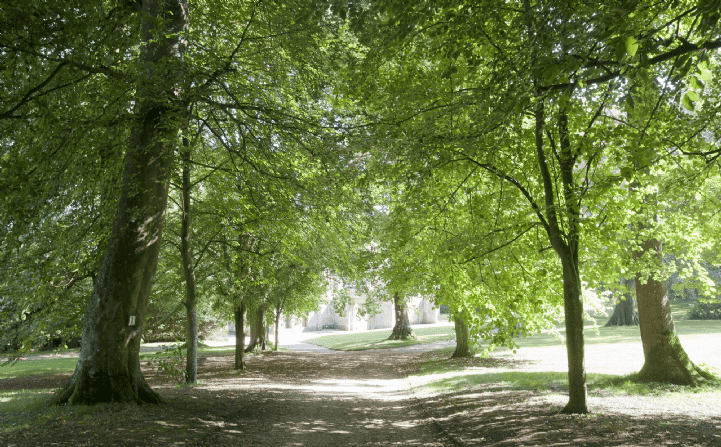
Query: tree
[[463, 347], [108, 369], [665, 360], [158, 70], [191, 294], [624, 312], [541, 129], [298, 288]]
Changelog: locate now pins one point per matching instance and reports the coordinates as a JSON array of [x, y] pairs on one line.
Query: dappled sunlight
[[529, 417], [299, 399], [365, 398], [383, 390]]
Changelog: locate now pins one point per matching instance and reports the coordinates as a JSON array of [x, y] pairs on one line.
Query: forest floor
[[324, 399]]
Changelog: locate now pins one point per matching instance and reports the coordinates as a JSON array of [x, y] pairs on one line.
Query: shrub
[[704, 311], [170, 359]]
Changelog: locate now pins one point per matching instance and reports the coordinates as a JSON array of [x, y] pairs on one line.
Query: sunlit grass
[[25, 368], [441, 374], [612, 355], [33, 365], [379, 339]]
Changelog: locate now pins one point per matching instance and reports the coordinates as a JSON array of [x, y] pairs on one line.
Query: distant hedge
[[704, 311]]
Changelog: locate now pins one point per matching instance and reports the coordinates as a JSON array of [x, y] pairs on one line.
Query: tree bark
[[239, 313], [462, 334], [108, 369], [566, 246], [402, 328], [665, 360], [257, 329], [573, 309], [624, 313], [277, 330], [191, 295]]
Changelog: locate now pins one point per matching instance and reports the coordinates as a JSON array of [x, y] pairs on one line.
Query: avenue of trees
[[222, 156]]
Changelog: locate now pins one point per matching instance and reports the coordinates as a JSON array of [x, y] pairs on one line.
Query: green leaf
[[687, 102], [704, 74], [620, 50], [627, 172], [550, 73], [693, 96], [630, 103], [631, 45], [695, 84]]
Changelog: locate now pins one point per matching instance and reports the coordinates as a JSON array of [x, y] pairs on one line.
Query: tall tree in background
[[624, 312]]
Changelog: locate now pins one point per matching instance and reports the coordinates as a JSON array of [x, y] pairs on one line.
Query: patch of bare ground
[[284, 399], [493, 414]]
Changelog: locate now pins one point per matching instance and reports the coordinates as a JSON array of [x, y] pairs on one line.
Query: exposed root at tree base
[[575, 409], [402, 336], [83, 390]]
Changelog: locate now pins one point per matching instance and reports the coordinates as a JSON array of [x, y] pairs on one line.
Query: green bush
[[171, 360], [704, 311]]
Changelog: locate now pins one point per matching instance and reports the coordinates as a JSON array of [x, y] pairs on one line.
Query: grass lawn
[[49, 364], [360, 341], [26, 368], [612, 356]]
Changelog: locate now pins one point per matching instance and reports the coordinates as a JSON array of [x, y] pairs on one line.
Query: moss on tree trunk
[[665, 360]]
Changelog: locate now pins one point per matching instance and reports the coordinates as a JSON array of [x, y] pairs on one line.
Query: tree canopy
[[503, 157]]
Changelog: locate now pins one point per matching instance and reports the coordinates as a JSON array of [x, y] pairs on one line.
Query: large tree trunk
[[665, 359], [624, 313], [239, 313], [108, 369], [257, 329], [462, 334], [402, 329], [191, 295]]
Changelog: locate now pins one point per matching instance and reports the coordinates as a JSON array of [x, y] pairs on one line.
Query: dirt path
[[317, 399], [284, 399]]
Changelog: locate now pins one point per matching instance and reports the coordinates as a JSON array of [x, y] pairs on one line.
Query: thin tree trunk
[[402, 328], [665, 359], [277, 323], [573, 307], [191, 295], [108, 369], [239, 313], [462, 334], [566, 247]]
